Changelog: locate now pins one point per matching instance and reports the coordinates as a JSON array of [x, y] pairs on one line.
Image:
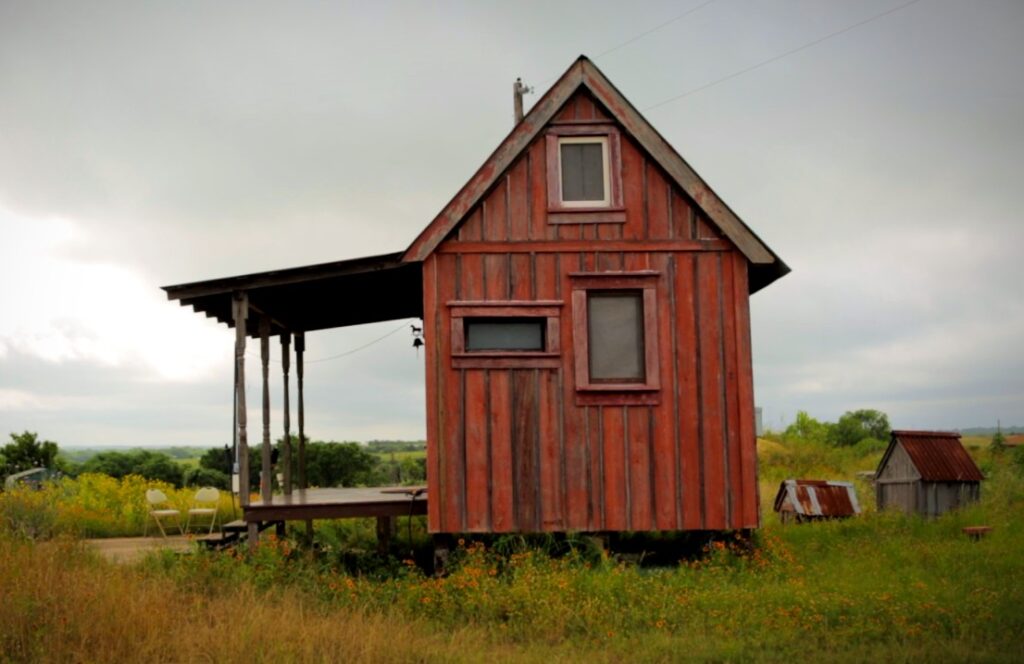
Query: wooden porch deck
[[339, 503]]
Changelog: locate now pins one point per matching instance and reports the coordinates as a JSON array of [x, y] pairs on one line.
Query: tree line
[[328, 463]]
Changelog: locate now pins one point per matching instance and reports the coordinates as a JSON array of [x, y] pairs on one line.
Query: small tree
[[856, 425], [26, 451], [998, 444], [806, 428]]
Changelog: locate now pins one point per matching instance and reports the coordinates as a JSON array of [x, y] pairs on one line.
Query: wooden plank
[[240, 311], [736, 491], [687, 351], [267, 472], [451, 491], [476, 308], [495, 209], [573, 443], [709, 282], [518, 203], [665, 447], [471, 277], [658, 223], [566, 245], [584, 106], [496, 279], [521, 276], [615, 465], [682, 214], [610, 217], [751, 509], [537, 192], [506, 361], [433, 352], [525, 449], [638, 436], [633, 165], [705, 231], [502, 507], [477, 468], [596, 489], [549, 402], [472, 229], [568, 111]]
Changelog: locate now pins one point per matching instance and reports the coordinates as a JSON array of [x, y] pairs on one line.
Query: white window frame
[[605, 172]]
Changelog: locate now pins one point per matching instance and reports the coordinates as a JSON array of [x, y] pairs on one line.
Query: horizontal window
[[505, 334], [498, 333]]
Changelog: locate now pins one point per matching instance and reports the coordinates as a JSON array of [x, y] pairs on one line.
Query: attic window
[[584, 174], [583, 167]]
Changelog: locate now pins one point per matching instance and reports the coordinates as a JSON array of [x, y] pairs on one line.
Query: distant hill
[[990, 431]]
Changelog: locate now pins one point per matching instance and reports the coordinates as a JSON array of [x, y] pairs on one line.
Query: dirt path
[[131, 549]]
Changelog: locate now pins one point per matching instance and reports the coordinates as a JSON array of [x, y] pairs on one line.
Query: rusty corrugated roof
[[938, 456], [818, 498]]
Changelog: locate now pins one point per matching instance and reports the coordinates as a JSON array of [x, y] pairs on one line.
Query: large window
[[615, 336], [584, 174], [505, 334], [615, 333]]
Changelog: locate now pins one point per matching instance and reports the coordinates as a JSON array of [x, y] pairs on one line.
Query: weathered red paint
[[558, 460]]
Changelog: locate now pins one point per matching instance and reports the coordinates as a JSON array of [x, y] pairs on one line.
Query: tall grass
[[92, 505], [880, 587]]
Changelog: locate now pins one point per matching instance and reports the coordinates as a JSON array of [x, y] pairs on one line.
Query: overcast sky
[[146, 144]]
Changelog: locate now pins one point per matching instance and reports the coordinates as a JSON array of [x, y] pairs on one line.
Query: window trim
[[605, 172], [612, 209], [639, 392], [548, 310]]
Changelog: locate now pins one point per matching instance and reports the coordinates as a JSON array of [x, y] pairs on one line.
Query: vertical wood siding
[[511, 450]]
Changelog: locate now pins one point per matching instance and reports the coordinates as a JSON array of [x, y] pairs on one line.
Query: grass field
[[881, 587]]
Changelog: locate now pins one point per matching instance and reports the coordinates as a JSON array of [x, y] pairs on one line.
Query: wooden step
[[237, 526]]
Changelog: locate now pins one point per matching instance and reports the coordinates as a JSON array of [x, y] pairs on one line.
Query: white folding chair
[[204, 505], [156, 499]]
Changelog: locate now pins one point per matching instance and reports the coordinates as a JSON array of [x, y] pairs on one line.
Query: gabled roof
[[938, 456], [766, 267]]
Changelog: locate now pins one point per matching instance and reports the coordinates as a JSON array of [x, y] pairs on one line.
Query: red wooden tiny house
[[528, 441], [587, 333]]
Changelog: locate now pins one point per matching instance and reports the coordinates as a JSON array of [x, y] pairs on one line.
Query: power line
[[642, 34], [364, 346], [782, 55], [654, 29]]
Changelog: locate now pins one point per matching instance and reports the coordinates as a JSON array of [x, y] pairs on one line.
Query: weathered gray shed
[[928, 472]]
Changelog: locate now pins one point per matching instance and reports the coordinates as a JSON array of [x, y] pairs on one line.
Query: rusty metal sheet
[[821, 498], [939, 456]]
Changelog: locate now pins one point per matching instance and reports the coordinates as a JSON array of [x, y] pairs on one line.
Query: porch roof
[[314, 297]]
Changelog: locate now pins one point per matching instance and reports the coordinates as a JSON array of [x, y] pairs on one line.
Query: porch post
[[286, 453], [240, 311], [300, 348], [265, 476]]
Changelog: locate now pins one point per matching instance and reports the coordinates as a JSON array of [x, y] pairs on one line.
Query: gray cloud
[[189, 141]]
